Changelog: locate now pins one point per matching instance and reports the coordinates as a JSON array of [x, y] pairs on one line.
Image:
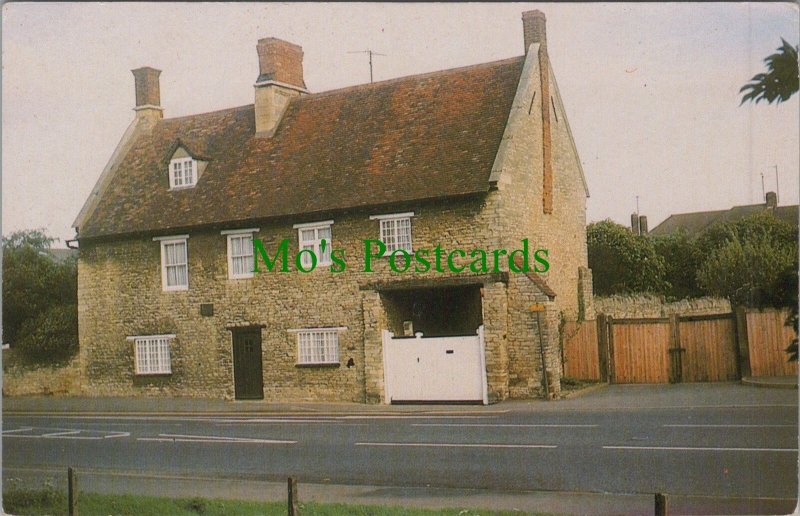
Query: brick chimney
[[772, 200], [280, 78], [534, 28], [148, 93]]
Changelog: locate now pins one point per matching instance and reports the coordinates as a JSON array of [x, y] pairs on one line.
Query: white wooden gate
[[434, 368]]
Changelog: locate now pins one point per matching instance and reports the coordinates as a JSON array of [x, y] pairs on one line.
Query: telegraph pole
[[370, 53]]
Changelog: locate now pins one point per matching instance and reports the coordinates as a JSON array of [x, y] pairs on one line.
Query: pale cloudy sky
[[651, 90]]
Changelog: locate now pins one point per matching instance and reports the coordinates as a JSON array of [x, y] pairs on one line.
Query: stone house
[[479, 157]]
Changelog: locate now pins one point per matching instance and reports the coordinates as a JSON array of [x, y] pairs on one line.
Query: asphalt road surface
[[728, 450]]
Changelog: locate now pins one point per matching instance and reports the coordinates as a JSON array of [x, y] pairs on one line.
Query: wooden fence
[[639, 350], [580, 354], [767, 337], [709, 348]]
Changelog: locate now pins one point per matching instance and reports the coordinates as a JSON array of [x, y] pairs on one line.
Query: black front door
[[247, 380]]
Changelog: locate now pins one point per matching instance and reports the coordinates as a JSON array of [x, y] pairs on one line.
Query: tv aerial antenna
[[370, 53]]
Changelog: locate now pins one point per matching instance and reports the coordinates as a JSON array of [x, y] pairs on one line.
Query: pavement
[[772, 382], [594, 397]]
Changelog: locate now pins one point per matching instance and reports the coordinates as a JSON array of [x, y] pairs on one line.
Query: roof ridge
[[393, 80], [215, 112], [368, 85]]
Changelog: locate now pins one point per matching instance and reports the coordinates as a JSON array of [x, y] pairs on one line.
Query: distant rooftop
[[696, 222]]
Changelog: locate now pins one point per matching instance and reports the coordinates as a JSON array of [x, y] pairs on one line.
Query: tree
[[35, 238], [780, 81], [681, 256], [38, 293], [752, 272], [622, 262], [752, 261]]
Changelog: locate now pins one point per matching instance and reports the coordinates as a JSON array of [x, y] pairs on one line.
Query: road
[[729, 449]]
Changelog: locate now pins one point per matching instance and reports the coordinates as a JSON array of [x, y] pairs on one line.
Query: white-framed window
[[240, 253], [182, 172], [318, 345], [174, 262], [151, 354], [310, 236], [395, 231]]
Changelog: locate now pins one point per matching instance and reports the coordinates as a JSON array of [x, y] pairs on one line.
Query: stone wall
[[519, 169], [642, 306], [120, 296], [21, 380]]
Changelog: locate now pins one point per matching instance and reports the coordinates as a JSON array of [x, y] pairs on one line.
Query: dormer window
[[182, 172]]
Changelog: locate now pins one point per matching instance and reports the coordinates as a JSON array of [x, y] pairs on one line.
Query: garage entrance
[[433, 350], [436, 369]]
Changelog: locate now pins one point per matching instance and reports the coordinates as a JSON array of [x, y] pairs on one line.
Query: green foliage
[[749, 272], [51, 336], [622, 262], [752, 262], [681, 255], [36, 238], [780, 81], [34, 284]]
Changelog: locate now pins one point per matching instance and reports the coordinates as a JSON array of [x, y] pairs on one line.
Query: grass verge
[[53, 502]]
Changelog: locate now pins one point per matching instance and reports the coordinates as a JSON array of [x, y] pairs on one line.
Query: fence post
[[72, 492], [676, 360], [612, 368], [661, 504], [292, 508], [742, 343], [602, 347]]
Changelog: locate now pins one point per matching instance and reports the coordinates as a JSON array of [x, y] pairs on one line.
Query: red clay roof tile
[[420, 137]]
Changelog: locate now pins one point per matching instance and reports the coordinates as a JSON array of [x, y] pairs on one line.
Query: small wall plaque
[[206, 309]]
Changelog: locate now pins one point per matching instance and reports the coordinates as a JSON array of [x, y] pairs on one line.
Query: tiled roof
[[420, 137], [696, 222]]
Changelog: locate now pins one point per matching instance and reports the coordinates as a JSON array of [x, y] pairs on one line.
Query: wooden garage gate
[[653, 350]]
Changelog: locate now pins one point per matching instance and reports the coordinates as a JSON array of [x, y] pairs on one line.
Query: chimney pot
[[643, 225], [635, 224], [772, 200], [534, 28]]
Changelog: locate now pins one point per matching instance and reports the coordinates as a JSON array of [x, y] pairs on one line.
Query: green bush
[[50, 337], [622, 262]]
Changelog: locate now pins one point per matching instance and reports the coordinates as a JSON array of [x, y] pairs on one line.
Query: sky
[[650, 90]]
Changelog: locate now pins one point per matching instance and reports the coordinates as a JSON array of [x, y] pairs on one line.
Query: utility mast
[[370, 53]]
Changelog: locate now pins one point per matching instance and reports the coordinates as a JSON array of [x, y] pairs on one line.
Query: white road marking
[[456, 445], [729, 426], [17, 430], [60, 434], [210, 439], [509, 425], [414, 416], [116, 434], [698, 448], [285, 421]]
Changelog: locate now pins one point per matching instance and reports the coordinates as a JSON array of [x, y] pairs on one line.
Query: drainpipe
[[539, 308]]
